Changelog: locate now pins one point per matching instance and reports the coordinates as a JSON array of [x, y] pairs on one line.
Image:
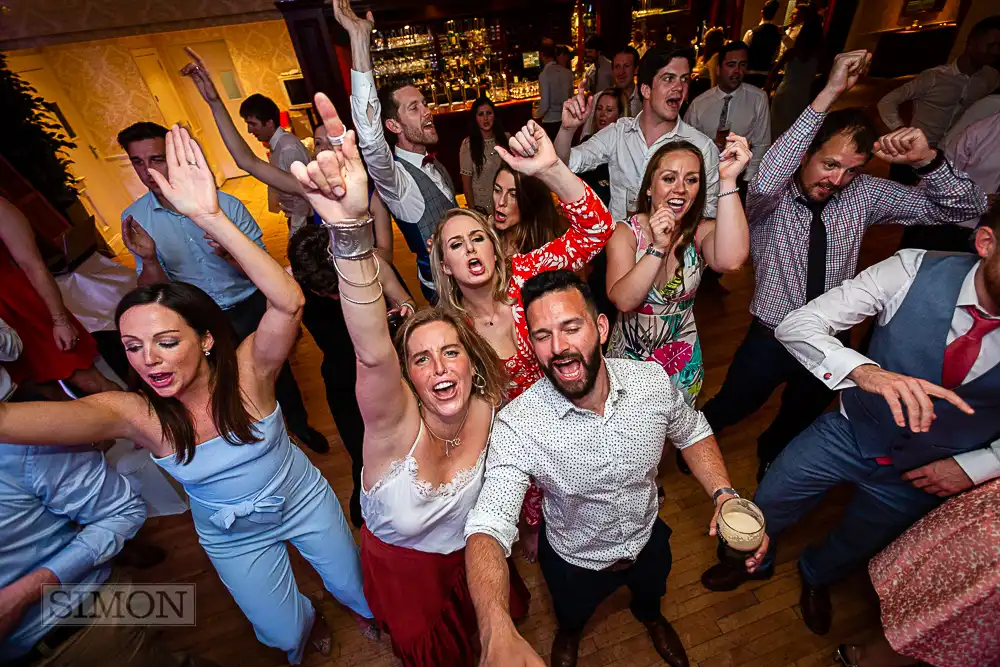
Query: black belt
[[47, 645]]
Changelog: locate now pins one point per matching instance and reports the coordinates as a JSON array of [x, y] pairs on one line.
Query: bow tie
[[429, 159]]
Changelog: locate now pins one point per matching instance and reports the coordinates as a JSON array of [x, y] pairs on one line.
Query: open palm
[[190, 184], [335, 183]]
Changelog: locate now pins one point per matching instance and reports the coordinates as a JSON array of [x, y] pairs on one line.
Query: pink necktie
[[961, 354]]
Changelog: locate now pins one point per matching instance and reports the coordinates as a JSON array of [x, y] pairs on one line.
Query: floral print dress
[[662, 329]]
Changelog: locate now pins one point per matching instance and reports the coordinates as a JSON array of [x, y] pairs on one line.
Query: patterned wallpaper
[[105, 85], [28, 20]]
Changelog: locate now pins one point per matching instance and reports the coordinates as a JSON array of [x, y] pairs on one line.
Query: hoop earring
[[479, 382]]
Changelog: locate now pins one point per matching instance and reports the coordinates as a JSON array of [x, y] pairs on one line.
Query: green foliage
[[31, 141]]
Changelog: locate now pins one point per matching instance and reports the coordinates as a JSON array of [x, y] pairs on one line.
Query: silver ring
[[339, 139]]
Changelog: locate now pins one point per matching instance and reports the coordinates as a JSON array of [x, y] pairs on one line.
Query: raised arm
[[780, 163], [591, 226], [576, 111], [383, 227], [725, 241], [104, 416], [191, 190], [16, 234], [337, 187], [244, 156]]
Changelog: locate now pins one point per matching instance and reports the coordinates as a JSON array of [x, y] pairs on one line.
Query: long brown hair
[[540, 219], [485, 362], [448, 289], [202, 314], [477, 147], [685, 231]]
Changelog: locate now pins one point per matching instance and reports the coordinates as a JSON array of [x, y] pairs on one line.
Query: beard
[[991, 277], [421, 136], [579, 388]]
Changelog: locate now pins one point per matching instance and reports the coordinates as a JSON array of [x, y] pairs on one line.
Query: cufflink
[[827, 376]]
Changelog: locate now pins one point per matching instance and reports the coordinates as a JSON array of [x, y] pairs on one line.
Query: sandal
[[369, 629]]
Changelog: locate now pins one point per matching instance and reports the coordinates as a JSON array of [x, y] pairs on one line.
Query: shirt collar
[[967, 296], [416, 159], [158, 205], [563, 405], [275, 138]]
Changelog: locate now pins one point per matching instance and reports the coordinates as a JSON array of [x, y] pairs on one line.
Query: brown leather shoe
[[721, 577], [565, 648], [666, 642], [817, 611]]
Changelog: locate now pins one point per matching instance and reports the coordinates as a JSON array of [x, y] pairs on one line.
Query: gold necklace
[[450, 443]]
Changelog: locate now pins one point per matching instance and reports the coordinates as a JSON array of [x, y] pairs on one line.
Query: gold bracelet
[[378, 268], [362, 303]]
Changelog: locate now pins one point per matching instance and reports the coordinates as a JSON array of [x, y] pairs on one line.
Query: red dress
[[23, 309], [590, 228], [939, 583]]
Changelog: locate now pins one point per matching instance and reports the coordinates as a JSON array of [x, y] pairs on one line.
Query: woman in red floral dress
[[939, 585], [476, 278]]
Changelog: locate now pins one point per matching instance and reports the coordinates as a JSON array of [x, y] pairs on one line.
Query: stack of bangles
[[354, 239]]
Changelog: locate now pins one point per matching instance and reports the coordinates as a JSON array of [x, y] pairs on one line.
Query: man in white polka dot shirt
[[591, 433]]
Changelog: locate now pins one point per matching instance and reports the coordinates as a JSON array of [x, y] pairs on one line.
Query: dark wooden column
[[323, 51], [614, 22]]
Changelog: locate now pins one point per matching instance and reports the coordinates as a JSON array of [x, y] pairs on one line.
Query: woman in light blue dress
[[206, 411]]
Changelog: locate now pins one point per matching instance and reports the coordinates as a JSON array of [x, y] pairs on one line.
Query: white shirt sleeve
[[981, 465], [808, 333], [382, 168], [888, 106], [10, 343], [712, 181], [759, 135], [594, 151]]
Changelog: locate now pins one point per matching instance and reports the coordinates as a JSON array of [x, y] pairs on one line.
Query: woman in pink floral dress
[[939, 586], [655, 261]]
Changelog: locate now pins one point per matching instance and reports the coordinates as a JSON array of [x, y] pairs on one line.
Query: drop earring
[[479, 382], [208, 352]]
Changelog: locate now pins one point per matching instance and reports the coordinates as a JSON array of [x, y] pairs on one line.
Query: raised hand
[[137, 240], [576, 110], [899, 390], [199, 75], [531, 151], [351, 22], [335, 183], [734, 157], [661, 225], [190, 186], [907, 145], [847, 69]]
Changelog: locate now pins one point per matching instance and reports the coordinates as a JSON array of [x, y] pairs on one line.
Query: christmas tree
[[32, 142]]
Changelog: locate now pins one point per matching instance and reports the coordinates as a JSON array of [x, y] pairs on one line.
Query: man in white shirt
[[625, 65], [981, 110], [937, 336], [638, 42], [734, 106], [599, 74], [415, 187], [555, 86], [941, 94], [627, 145], [591, 434], [264, 122]]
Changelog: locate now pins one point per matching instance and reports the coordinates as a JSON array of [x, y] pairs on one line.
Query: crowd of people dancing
[[535, 398]]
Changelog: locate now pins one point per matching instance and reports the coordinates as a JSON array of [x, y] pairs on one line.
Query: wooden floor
[[758, 625]]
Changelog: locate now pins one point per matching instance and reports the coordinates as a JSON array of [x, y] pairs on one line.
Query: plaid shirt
[[779, 218]]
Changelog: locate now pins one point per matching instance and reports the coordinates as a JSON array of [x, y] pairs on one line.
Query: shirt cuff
[[837, 365], [981, 465], [362, 85], [72, 563], [504, 533], [931, 166]]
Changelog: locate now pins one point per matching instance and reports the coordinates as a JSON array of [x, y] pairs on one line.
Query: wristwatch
[[650, 250], [723, 492]]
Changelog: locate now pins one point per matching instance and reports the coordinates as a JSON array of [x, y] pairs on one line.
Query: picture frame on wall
[[917, 7]]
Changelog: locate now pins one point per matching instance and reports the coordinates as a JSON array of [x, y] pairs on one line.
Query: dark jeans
[[245, 318], [324, 319], [823, 456], [576, 591], [760, 365]]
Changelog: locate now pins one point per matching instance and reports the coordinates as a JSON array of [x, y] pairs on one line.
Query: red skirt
[[422, 601], [25, 312]]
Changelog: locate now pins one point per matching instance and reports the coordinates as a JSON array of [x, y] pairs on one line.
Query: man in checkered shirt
[[808, 208]]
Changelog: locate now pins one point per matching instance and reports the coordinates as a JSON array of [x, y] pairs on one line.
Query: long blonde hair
[[485, 362], [448, 289]]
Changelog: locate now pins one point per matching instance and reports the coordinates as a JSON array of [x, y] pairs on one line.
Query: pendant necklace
[[450, 443]]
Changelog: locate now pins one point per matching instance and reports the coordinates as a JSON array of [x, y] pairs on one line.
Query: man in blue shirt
[[168, 246]]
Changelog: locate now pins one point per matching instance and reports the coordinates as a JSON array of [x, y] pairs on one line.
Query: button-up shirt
[[808, 333], [779, 218], [981, 110], [398, 189], [748, 116], [555, 84], [598, 472], [10, 349], [940, 95], [184, 253], [599, 76], [622, 146], [976, 151], [65, 510], [285, 150]]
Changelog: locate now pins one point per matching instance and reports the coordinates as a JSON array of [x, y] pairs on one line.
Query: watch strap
[[723, 491], [650, 250]]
